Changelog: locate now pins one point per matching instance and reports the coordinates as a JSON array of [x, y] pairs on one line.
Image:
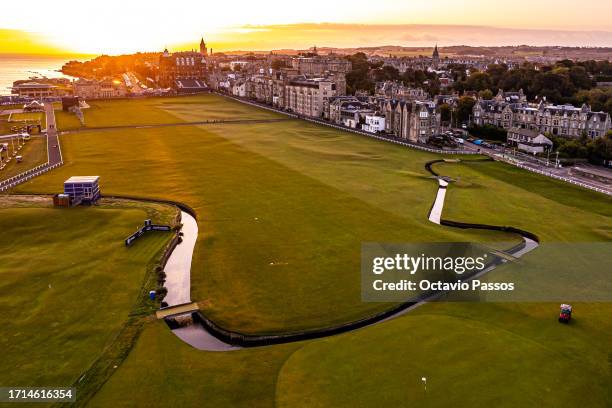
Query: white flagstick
[[424, 379]]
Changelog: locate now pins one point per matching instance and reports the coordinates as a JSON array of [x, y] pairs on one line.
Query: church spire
[[435, 57], [203, 50]]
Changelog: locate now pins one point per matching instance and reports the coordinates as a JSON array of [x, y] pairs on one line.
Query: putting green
[[466, 362]]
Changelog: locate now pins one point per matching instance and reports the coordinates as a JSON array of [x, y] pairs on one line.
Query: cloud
[[355, 35]]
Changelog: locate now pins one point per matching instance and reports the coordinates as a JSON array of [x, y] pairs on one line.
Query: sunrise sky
[[120, 26]]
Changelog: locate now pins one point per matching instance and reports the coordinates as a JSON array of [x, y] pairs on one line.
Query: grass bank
[[69, 284]]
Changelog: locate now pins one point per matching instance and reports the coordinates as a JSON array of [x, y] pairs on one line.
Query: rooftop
[[33, 85], [82, 179]]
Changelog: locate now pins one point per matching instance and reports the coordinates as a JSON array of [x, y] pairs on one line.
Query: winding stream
[[178, 267], [203, 334]]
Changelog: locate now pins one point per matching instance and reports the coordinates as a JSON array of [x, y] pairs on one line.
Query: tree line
[[565, 81]]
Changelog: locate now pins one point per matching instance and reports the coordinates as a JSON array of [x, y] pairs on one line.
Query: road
[[538, 165], [54, 154], [54, 151]]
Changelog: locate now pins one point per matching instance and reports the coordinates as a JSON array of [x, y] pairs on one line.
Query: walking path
[[435, 215], [54, 155]]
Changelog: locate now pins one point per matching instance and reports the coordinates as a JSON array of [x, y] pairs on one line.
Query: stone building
[[415, 121], [511, 110], [306, 96], [342, 109], [184, 65], [397, 90], [94, 89], [322, 66], [435, 57], [319, 65]]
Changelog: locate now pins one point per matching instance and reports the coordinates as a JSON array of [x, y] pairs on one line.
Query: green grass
[[163, 371], [283, 207], [26, 117], [286, 235], [34, 153], [470, 354], [504, 355], [5, 126], [152, 111], [282, 211], [554, 210], [68, 285]]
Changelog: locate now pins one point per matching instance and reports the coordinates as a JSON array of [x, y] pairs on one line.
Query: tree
[[445, 113], [464, 109], [386, 73], [486, 94], [496, 72], [357, 78], [479, 81], [580, 78], [433, 86]]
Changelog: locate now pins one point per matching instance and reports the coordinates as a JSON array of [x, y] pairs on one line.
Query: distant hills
[[520, 51]]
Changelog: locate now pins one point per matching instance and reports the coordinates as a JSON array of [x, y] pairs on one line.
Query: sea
[[15, 67]]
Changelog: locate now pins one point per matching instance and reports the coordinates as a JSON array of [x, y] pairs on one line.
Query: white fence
[[421, 147], [558, 177], [352, 130], [27, 175]]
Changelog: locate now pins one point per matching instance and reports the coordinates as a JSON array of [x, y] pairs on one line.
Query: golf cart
[[566, 313]]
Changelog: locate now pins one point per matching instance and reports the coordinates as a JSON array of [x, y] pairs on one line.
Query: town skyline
[[268, 26]]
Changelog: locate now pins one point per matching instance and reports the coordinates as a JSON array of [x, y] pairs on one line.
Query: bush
[[161, 277], [489, 132], [161, 292]]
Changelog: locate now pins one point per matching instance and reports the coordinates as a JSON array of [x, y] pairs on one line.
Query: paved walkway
[[54, 155], [178, 267], [435, 215], [54, 151]]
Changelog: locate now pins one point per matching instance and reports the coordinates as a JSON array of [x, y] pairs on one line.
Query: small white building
[[239, 89], [529, 140], [374, 124], [82, 188]]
